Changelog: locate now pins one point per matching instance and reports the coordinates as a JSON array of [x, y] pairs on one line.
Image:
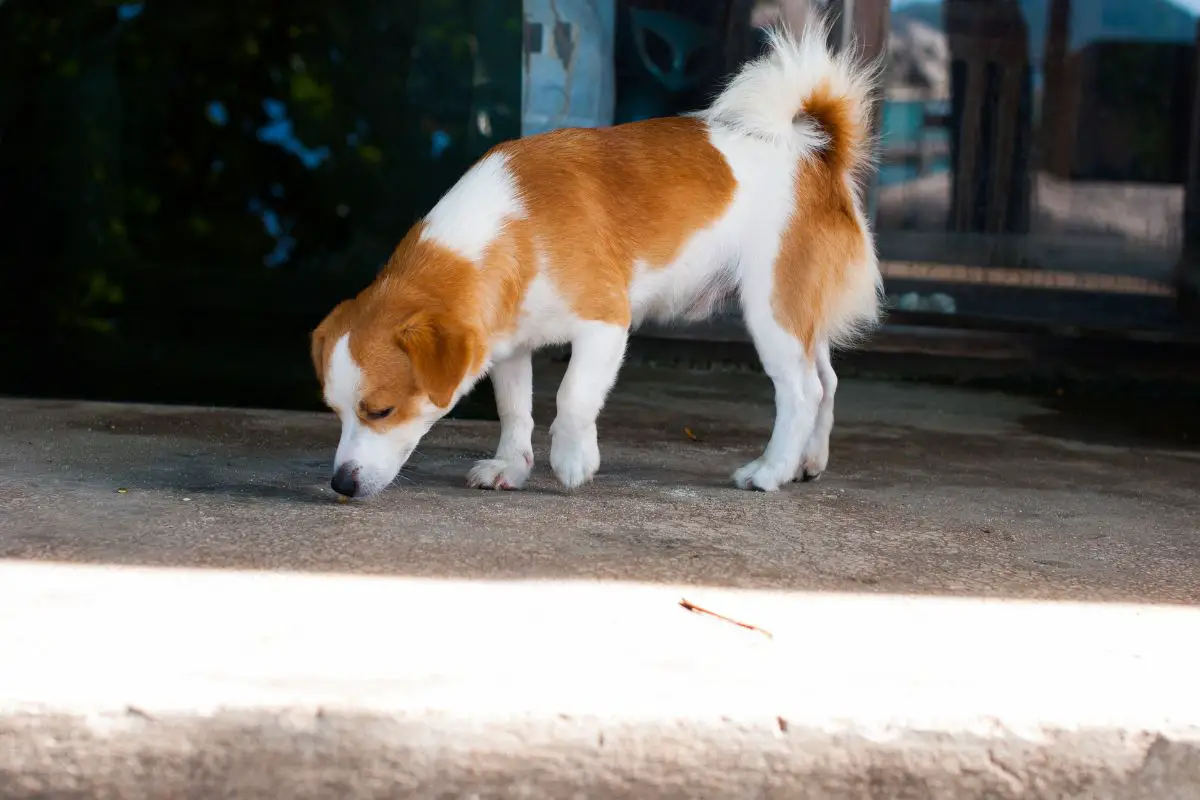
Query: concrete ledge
[[181, 683], [274, 756], [987, 596]]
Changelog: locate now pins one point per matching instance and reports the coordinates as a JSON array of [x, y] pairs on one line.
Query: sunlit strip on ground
[[93, 639]]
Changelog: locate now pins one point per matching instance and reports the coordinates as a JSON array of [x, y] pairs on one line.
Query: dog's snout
[[345, 480]]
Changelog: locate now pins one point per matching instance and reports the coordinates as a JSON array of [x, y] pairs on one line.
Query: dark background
[[187, 188]]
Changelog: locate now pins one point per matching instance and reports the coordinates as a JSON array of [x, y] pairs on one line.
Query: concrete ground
[[985, 596]]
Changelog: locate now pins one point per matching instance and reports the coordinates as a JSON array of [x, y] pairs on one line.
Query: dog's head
[[390, 370]]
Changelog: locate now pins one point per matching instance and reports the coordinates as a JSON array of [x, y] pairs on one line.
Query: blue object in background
[[279, 131], [568, 77], [128, 11], [439, 143], [903, 122]]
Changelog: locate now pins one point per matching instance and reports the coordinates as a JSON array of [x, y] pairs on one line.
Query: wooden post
[[793, 12], [869, 22], [1187, 271], [991, 110], [1058, 113]]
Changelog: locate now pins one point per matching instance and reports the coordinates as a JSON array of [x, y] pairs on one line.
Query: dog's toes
[[760, 476], [499, 474]]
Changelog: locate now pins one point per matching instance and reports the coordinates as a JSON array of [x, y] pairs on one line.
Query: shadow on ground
[[931, 490]]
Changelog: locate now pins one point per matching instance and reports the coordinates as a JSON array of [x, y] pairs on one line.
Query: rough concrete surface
[[985, 596]]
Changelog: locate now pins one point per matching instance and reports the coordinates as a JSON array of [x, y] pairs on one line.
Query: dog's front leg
[[596, 355], [512, 381]]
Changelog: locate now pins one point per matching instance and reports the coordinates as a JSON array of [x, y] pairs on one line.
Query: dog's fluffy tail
[[801, 95], [817, 104]]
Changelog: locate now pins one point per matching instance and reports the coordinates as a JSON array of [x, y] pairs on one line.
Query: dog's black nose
[[345, 480]]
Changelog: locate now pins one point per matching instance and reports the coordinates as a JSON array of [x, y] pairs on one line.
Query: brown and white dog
[[577, 236]]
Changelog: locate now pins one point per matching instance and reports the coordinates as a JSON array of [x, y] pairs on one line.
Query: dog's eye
[[380, 414]]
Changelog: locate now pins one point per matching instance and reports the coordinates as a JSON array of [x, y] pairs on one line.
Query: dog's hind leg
[[797, 395], [816, 452]]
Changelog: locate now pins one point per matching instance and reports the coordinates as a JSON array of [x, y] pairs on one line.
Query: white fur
[[471, 215], [545, 319], [763, 99], [760, 212], [375, 458], [756, 126], [596, 354], [762, 102], [597, 350], [816, 452], [741, 246], [512, 380]]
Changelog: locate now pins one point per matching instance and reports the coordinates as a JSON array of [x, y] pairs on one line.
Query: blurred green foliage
[[170, 166]]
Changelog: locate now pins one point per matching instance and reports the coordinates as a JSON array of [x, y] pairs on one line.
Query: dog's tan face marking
[[382, 421], [391, 363]]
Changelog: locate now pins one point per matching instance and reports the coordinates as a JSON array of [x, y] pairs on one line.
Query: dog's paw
[[500, 473], [762, 475], [813, 466], [575, 458]]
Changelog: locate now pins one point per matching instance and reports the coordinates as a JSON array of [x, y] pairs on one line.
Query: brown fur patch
[[822, 243], [509, 264], [416, 332], [442, 352], [389, 378], [600, 199], [836, 116]]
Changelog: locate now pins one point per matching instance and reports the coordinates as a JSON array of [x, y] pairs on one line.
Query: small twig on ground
[[134, 711], [693, 607]]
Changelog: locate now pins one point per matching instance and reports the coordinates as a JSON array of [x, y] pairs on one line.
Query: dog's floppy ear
[[323, 338], [443, 352]]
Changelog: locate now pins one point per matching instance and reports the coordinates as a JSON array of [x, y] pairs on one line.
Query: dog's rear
[[800, 97], [810, 109]]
